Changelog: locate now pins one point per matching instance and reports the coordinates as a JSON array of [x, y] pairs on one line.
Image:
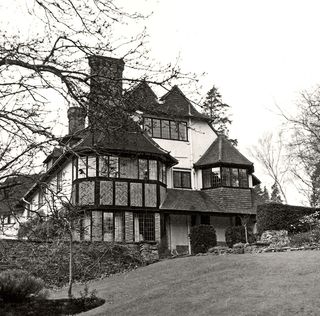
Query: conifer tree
[[275, 194], [216, 109]]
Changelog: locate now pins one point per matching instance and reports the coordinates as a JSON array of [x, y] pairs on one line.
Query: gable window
[[223, 176], [166, 129], [182, 179]]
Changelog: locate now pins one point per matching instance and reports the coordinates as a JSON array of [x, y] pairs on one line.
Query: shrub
[[305, 238], [236, 234], [19, 285], [274, 216], [202, 237]]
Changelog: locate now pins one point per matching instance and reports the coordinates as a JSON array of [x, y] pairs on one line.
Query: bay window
[[224, 176]]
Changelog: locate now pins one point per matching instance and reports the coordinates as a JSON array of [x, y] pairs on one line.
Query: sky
[[260, 54]]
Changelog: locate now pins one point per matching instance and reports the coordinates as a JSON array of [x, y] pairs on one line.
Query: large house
[[148, 173]]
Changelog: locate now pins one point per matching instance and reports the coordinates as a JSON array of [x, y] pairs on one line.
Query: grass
[[262, 284]]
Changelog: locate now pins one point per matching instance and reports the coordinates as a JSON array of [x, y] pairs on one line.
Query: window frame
[[172, 124], [182, 172], [227, 176]]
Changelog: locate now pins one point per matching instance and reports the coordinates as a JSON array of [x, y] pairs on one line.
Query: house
[[12, 205], [145, 174]]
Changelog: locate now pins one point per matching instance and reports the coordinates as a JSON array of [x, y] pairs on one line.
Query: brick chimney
[[76, 117], [105, 85]]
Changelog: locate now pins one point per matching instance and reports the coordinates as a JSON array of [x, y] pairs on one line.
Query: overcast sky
[[258, 53]]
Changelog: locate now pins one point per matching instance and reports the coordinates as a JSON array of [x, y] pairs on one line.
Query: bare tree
[[304, 146], [51, 63], [271, 153]]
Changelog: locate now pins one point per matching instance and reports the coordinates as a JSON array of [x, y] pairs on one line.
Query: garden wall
[[50, 261], [274, 216]]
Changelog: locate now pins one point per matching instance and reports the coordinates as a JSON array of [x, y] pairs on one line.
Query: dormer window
[[224, 176], [165, 129]]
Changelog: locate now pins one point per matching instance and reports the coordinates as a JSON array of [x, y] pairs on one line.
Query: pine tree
[[275, 194], [262, 196], [216, 109]]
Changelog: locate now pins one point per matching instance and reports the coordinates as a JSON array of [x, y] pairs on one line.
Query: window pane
[[206, 178], [177, 179], [174, 130], [107, 226], [82, 167], [143, 169], [92, 167], [226, 177], [160, 176], [183, 131], [164, 174], [153, 170], [74, 169], [128, 168], [144, 227], [216, 177], [113, 167], [118, 226], [243, 177], [186, 179], [156, 128], [103, 166], [165, 128], [147, 126], [234, 177]]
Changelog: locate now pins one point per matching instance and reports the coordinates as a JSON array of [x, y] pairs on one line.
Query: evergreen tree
[[216, 109], [262, 196], [275, 194]]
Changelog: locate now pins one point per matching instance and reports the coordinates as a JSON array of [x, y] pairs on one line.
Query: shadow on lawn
[[49, 307]]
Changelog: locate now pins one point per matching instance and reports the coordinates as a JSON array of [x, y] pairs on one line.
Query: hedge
[[202, 237], [275, 216]]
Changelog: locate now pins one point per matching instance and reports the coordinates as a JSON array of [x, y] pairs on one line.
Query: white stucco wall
[[200, 137]]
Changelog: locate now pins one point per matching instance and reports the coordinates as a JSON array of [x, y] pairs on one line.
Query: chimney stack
[[105, 85], [76, 117]]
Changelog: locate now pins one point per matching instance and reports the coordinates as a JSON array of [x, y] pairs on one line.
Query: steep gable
[[223, 152], [176, 103]]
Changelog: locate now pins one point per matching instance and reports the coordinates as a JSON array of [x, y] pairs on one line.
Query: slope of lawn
[[262, 284]]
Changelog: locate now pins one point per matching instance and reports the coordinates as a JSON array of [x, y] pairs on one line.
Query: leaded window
[[223, 176]]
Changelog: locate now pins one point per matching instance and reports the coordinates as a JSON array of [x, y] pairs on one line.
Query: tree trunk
[[70, 266], [246, 233]]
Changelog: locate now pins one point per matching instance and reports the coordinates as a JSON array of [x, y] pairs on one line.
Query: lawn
[[261, 284]]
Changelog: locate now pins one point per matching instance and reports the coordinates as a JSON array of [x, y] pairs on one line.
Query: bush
[[236, 234], [305, 238], [202, 237], [274, 216], [19, 285]]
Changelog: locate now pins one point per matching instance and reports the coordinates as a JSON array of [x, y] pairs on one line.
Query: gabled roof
[[176, 103], [55, 154], [173, 104], [13, 189], [141, 97], [221, 151], [189, 200]]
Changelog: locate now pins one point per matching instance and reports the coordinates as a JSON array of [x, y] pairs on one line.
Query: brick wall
[[233, 200]]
